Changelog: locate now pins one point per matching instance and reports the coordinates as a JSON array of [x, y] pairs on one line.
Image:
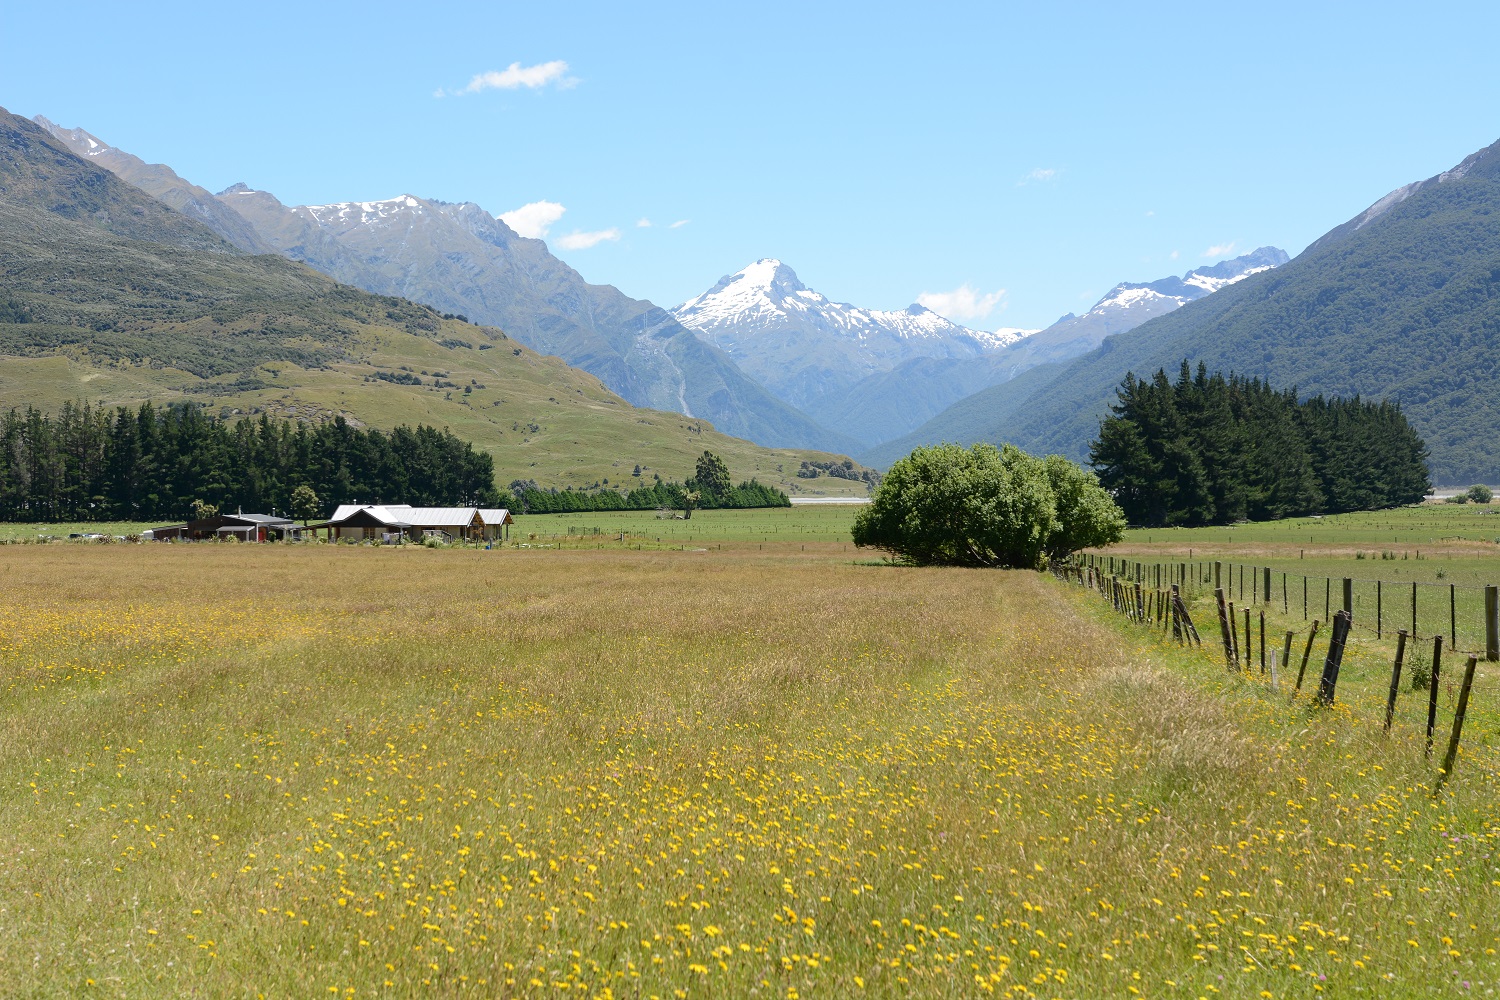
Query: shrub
[[986, 506], [1480, 493]]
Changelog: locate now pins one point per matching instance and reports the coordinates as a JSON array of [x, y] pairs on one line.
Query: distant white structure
[[392, 522]]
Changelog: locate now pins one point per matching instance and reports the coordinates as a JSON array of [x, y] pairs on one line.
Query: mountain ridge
[[887, 405], [1400, 302], [86, 312], [461, 260]]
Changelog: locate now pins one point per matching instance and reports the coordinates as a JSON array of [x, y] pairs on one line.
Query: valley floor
[[764, 768]]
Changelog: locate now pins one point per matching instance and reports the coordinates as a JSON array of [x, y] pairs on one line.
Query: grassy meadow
[[758, 767]]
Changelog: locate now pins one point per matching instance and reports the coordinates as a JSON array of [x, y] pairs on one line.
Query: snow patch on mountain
[[1167, 294], [368, 212], [76, 137]]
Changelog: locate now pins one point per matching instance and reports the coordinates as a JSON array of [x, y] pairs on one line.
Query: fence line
[[1164, 608], [1407, 604]]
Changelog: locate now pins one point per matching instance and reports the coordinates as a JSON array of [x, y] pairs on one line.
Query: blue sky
[[1033, 155]]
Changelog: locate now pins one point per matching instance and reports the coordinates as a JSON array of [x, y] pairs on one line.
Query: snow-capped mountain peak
[[1167, 294], [768, 292], [800, 343]]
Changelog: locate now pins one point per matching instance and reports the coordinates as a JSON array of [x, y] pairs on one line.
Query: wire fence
[[1466, 616], [1159, 596]]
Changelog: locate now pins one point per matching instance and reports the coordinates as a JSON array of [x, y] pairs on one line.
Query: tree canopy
[[986, 506], [152, 463], [1207, 449], [712, 475]]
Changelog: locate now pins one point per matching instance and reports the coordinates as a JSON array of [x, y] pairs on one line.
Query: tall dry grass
[[332, 771]]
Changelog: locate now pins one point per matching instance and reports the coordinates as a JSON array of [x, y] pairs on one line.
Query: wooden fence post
[[1224, 630], [1234, 633], [1286, 652], [1262, 642], [1414, 632], [1492, 623], [1335, 659], [1432, 690], [1390, 702], [1458, 725], [1348, 596], [1189, 629], [1378, 609], [1218, 572], [1249, 642], [1266, 589], [1306, 652], [1452, 616]]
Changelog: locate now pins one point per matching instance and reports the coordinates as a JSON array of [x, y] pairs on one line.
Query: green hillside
[[1401, 305], [89, 313]]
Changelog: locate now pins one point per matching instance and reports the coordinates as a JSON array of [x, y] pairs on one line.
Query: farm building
[[245, 527], [391, 522]]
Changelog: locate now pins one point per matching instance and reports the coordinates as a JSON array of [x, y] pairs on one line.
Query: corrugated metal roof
[[436, 517], [259, 518], [389, 515], [424, 517]]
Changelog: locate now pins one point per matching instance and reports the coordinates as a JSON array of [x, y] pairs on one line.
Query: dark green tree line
[[149, 464], [710, 483], [1207, 449]]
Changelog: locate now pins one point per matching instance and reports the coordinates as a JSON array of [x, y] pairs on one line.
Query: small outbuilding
[[245, 527], [497, 522]]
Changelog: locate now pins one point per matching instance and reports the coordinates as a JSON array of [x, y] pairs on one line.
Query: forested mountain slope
[[892, 403], [1401, 303]]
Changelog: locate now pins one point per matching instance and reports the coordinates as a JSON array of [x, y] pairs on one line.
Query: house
[[391, 522]]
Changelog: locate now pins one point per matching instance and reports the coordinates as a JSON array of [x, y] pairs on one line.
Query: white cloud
[[515, 76], [1220, 250], [1174, 255], [582, 241], [533, 220], [962, 303], [679, 223], [643, 223], [1040, 175], [1150, 212]]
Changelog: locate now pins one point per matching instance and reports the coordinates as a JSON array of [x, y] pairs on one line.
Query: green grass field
[[20, 532]]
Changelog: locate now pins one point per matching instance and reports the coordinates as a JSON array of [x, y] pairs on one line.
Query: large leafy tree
[[712, 476], [985, 506]]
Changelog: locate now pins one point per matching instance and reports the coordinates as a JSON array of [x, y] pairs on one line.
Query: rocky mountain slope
[[110, 296], [162, 183], [459, 259]]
